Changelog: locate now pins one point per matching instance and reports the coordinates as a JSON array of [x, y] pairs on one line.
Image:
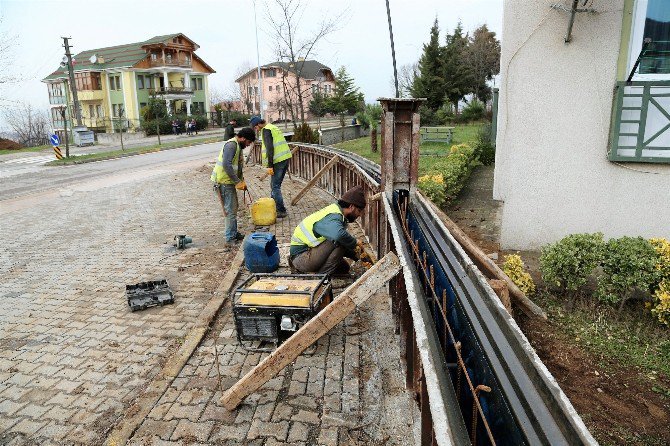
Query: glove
[[241, 185], [271, 171]]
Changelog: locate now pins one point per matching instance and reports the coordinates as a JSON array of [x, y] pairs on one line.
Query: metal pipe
[[573, 12]]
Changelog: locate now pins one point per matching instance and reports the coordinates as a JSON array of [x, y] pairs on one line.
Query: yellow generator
[[271, 307]]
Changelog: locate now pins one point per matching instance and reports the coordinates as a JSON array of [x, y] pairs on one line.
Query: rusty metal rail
[[474, 376]]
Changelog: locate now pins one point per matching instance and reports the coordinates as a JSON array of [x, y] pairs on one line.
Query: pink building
[[279, 81]]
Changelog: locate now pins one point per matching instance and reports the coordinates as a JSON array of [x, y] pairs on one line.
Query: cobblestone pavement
[[73, 357]]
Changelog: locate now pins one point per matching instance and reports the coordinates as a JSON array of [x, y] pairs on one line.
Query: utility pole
[[73, 85], [67, 141], [258, 61]]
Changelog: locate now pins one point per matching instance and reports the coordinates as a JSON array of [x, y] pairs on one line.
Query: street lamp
[[258, 60]]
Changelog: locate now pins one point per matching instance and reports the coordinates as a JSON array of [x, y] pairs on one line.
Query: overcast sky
[[225, 32]]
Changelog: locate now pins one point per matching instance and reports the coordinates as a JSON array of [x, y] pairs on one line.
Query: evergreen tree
[[346, 98], [429, 82], [457, 74], [483, 60]]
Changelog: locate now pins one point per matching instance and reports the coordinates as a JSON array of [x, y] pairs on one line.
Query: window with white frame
[[651, 31], [140, 82]]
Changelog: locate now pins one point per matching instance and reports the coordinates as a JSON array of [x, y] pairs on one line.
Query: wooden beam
[[357, 293], [485, 263], [313, 181]]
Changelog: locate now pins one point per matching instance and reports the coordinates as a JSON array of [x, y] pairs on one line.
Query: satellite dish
[[94, 58]]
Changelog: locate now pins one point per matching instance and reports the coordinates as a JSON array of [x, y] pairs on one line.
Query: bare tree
[[246, 87], [7, 44], [29, 124], [406, 75], [295, 49]]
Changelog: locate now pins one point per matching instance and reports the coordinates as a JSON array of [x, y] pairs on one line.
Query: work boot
[[239, 236], [281, 214]]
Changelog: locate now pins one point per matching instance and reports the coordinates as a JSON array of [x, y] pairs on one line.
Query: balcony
[[641, 122], [56, 100], [171, 62], [177, 91], [90, 95]]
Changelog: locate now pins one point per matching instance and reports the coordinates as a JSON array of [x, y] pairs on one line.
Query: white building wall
[[551, 170]]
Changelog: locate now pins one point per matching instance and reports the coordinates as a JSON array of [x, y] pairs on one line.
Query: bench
[[436, 134]]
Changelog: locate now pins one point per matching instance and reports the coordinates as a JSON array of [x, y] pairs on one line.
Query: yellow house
[[114, 83]]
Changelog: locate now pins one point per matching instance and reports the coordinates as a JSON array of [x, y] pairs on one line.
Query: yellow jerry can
[[264, 212]]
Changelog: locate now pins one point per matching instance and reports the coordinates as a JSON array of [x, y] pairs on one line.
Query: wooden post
[[333, 314], [313, 181], [502, 291]]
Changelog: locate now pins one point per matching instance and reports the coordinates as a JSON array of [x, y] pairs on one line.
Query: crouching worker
[[321, 242], [228, 179]]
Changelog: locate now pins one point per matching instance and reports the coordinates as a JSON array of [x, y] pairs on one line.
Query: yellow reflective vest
[[281, 149], [304, 232], [219, 174]]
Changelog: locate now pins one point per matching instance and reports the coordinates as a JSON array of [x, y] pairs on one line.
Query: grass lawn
[[77, 159], [25, 149], [430, 152]]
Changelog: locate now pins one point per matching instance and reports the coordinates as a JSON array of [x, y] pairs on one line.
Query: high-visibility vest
[[304, 232], [219, 174], [281, 149]]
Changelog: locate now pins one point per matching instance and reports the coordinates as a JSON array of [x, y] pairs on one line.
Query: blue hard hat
[[255, 121]]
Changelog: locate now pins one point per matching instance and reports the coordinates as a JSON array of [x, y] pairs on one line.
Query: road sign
[[55, 140]]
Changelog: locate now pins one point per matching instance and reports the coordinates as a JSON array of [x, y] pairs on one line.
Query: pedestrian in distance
[[175, 126], [321, 241], [194, 126], [229, 131], [188, 127], [275, 157], [228, 178]]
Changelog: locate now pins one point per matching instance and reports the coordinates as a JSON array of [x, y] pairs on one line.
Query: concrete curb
[[135, 414]]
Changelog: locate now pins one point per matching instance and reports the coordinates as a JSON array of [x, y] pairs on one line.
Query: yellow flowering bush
[[514, 267], [661, 306], [433, 187], [662, 300]]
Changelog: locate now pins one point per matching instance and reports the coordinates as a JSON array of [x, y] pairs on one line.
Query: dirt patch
[[8, 144], [616, 403]]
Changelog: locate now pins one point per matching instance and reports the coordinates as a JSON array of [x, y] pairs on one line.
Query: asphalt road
[[22, 178]]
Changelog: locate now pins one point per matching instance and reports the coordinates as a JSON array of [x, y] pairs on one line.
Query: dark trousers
[[327, 258]]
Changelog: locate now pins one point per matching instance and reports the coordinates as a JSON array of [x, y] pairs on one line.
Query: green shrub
[[201, 122], [164, 124], [484, 148], [242, 119], [428, 116], [304, 133], [569, 263], [628, 263], [451, 173], [474, 111]]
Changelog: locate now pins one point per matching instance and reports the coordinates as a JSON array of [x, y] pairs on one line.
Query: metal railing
[[473, 374], [170, 90]]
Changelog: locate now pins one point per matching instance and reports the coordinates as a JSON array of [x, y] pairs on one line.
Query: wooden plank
[[488, 265], [313, 181], [334, 313]]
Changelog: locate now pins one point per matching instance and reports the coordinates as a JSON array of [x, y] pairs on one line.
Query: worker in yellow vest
[[228, 179], [321, 242], [276, 155]]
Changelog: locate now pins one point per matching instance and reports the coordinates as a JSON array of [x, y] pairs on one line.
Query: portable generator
[[271, 307]]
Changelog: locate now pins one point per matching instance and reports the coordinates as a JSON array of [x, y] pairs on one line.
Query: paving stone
[[328, 437], [189, 431], [258, 428], [226, 432], [305, 416], [28, 427]]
